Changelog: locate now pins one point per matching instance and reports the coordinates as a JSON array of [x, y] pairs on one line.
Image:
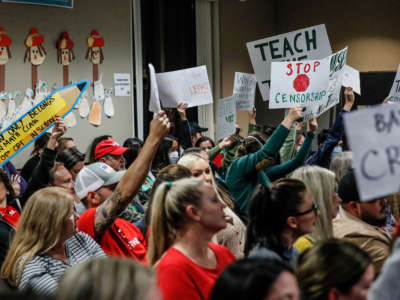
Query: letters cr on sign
[[374, 138], [35, 122], [304, 44]]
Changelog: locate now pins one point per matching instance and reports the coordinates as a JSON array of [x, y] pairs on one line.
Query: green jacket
[[242, 176]]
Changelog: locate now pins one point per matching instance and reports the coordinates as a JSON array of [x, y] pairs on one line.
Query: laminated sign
[[39, 119], [305, 44]]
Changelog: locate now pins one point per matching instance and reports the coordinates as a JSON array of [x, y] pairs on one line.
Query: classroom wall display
[[373, 134], [244, 89], [394, 95], [5, 55], [65, 54], [305, 44], [35, 53], [302, 83], [190, 85]]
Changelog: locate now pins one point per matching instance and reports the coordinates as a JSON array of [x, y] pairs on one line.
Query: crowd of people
[[179, 216]]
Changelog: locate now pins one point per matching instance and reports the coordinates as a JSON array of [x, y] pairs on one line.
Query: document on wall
[[122, 84]]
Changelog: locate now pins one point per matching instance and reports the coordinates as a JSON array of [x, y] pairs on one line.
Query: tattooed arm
[[131, 182]]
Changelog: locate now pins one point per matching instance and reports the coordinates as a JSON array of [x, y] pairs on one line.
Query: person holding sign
[[254, 163]]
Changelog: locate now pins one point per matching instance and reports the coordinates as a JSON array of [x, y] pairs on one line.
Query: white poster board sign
[[154, 103], [351, 78], [305, 44], [226, 113], [122, 84], [337, 61], [244, 90], [190, 85], [374, 134], [394, 95], [302, 83]]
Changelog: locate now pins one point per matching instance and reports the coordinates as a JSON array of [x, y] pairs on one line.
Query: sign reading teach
[[305, 44], [295, 83], [374, 138]]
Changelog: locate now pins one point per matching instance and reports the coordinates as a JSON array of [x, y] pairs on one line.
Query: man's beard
[[374, 222]]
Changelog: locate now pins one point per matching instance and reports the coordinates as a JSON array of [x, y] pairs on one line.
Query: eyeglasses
[[314, 208]]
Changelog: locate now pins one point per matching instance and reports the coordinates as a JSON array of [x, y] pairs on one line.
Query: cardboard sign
[[351, 78], [394, 95], [337, 62], [39, 119], [244, 90], [374, 134], [299, 83], [305, 44], [190, 85], [226, 114], [154, 103]]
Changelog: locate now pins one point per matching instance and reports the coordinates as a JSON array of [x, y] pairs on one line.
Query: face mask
[[173, 157]]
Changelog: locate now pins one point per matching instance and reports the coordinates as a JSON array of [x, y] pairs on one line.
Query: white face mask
[[173, 157]]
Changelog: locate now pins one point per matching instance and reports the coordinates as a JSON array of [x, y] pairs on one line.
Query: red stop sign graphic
[[301, 83]]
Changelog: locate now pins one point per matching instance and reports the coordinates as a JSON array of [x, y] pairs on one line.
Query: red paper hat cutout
[[65, 42], [5, 40], [95, 40], [34, 38]]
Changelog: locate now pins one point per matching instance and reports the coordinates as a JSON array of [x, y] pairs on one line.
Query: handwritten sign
[[337, 62], [394, 95], [299, 83], [226, 121], [374, 134], [39, 119], [154, 103], [351, 78], [244, 90], [305, 44], [190, 85]]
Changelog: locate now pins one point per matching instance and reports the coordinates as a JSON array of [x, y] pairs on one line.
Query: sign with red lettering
[[299, 83], [304, 44]]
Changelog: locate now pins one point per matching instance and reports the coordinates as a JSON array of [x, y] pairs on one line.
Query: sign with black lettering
[[374, 137], [394, 95], [305, 44]]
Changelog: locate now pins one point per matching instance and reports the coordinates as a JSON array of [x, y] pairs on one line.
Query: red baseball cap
[[108, 147]]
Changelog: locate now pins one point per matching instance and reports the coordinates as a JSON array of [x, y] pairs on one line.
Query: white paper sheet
[[244, 89], [226, 114]]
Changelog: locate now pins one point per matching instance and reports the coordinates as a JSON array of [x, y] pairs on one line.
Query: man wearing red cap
[[111, 153]]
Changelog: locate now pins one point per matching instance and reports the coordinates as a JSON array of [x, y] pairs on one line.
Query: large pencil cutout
[[40, 118]]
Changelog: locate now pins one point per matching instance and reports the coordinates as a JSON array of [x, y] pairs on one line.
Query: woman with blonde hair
[[234, 235], [341, 163], [185, 215], [46, 242], [322, 185], [125, 280]]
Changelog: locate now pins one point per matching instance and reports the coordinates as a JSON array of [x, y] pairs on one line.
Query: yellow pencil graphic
[[41, 117]]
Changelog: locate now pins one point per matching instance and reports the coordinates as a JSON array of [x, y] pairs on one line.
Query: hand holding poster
[[154, 103], [190, 85], [226, 117], [394, 95], [244, 90], [374, 134], [295, 83], [351, 78], [39, 119], [304, 44]]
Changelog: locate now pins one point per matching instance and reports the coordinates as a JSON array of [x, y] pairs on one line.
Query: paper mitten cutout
[[109, 107], [83, 107], [99, 94], [3, 109], [95, 113], [70, 120], [27, 103], [11, 107]]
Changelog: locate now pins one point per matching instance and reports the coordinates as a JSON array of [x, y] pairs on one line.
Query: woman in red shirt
[[185, 215]]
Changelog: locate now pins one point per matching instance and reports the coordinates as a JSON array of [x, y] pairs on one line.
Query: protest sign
[[351, 78], [40, 118], [298, 83], [374, 134], [244, 90], [337, 61], [190, 85], [305, 44], [226, 122], [154, 103], [394, 95]]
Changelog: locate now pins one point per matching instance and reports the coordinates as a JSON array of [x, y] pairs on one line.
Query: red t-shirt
[[121, 239], [10, 215], [180, 278]]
